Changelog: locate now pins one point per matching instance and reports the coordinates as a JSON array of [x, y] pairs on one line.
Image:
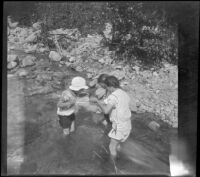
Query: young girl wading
[[117, 106]]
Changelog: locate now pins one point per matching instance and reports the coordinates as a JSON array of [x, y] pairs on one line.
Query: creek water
[[46, 151], [35, 137]]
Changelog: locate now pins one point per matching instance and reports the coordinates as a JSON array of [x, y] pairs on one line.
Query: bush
[[141, 33], [88, 17]]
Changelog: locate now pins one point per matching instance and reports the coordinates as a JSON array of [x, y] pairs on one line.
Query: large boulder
[[54, 56], [12, 65], [11, 58], [28, 61]]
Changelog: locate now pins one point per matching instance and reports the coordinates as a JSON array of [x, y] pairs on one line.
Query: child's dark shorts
[[66, 121]]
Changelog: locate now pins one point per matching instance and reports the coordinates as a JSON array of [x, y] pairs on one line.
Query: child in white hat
[[67, 104]]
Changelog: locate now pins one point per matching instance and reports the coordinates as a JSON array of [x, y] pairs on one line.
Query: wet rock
[[54, 56], [154, 126], [12, 65], [12, 58], [28, 61], [22, 73]]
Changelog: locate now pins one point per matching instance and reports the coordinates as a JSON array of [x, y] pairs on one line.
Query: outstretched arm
[[106, 108]]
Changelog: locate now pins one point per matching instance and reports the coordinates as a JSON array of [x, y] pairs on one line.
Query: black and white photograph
[[93, 87]]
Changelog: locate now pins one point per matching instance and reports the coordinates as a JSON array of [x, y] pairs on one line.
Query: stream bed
[[45, 151]]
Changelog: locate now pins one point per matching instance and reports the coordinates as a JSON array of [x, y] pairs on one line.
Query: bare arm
[[106, 108]]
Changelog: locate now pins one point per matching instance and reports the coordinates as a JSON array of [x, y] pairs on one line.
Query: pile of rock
[[150, 90], [14, 61], [156, 91]]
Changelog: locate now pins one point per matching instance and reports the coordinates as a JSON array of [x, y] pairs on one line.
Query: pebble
[[11, 65]]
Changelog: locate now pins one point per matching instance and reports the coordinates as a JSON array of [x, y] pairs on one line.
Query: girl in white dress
[[117, 106]]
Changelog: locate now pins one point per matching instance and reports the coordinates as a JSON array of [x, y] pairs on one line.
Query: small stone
[[79, 69], [157, 91], [67, 63], [42, 50], [118, 67], [72, 59], [89, 75], [54, 56], [102, 61], [28, 61], [93, 83], [11, 65], [62, 62]]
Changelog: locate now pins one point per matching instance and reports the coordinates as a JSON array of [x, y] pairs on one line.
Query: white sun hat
[[78, 83]]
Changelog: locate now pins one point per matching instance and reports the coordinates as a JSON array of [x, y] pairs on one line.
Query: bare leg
[[72, 128], [113, 152], [66, 131], [113, 147]]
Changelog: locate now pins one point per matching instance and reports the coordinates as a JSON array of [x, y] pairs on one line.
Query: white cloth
[[120, 116], [65, 112]]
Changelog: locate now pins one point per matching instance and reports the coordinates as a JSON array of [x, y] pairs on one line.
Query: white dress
[[120, 116]]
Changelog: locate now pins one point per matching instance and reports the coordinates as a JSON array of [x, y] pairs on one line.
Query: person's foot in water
[[66, 132], [72, 128]]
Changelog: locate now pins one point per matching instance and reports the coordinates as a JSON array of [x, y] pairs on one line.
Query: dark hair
[[102, 78], [112, 81]]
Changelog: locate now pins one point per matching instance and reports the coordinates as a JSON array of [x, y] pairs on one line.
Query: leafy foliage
[[88, 17], [140, 30], [141, 33]]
